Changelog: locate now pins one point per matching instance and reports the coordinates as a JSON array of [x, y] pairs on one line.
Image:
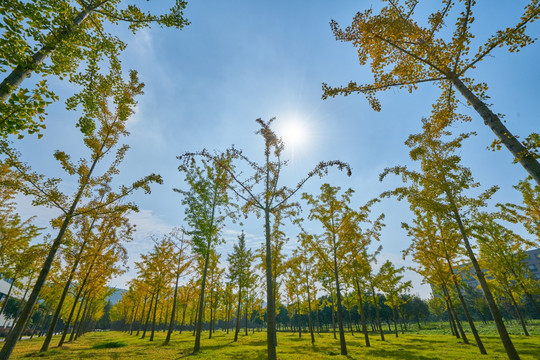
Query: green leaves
[[57, 38]]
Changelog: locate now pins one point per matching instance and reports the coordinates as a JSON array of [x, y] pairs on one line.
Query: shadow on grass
[[206, 348], [400, 354]]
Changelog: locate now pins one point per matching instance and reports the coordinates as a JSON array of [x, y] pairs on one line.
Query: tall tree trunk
[[148, 316], [154, 317], [465, 308], [334, 320], [377, 314], [171, 324], [362, 315], [310, 322], [453, 326], [142, 316], [501, 328], [83, 319], [134, 318], [197, 346], [395, 321], [78, 318], [246, 311], [65, 291], [183, 318], [271, 336], [237, 330], [520, 153], [343, 344], [211, 312]]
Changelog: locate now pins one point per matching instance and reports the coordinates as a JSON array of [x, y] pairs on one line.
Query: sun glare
[[294, 134]]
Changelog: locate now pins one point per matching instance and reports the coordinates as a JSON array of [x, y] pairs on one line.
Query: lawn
[[118, 345]]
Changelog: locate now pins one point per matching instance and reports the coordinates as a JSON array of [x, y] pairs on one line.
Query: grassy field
[[118, 345]]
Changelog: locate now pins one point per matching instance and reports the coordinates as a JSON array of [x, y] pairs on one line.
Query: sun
[[295, 134]]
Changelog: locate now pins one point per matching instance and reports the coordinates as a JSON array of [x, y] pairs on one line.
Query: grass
[[417, 346], [110, 345]]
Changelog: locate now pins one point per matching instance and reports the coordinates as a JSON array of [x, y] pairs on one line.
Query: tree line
[[64, 276]]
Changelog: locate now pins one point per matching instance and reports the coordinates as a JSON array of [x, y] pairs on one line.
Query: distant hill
[[116, 296]]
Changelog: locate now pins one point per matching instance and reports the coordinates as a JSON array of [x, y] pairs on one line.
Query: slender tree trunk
[[377, 315], [350, 323], [83, 319], [142, 316], [501, 328], [465, 308], [246, 311], [211, 312], [310, 322], [171, 324], [343, 344], [271, 335], [334, 320], [317, 317], [78, 319], [183, 318], [56, 315], [237, 330], [453, 326], [518, 312], [154, 317], [395, 321], [362, 315], [197, 346], [148, 316], [134, 318], [520, 153]]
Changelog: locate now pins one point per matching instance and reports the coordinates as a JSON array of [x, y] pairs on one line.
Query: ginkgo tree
[[207, 206], [435, 241], [110, 89], [443, 184], [53, 39], [262, 194], [404, 52], [240, 273]]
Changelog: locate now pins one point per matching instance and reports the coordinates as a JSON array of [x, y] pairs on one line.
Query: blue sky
[[241, 60]]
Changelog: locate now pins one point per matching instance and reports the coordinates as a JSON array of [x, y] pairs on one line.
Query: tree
[[334, 214], [54, 39], [502, 255], [183, 262], [207, 207], [442, 185], [272, 200], [15, 234], [104, 252], [240, 272], [436, 240], [404, 54], [389, 280], [100, 142]]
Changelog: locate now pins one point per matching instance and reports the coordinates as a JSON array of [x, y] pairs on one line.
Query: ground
[[421, 346]]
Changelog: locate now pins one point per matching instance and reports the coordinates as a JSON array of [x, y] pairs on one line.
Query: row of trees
[[67, 40], [337, 256]]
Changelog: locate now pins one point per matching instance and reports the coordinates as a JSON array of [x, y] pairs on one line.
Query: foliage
[[57, 39], [403, 53]]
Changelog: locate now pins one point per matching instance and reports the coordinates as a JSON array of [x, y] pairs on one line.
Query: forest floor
[[418, 346]]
